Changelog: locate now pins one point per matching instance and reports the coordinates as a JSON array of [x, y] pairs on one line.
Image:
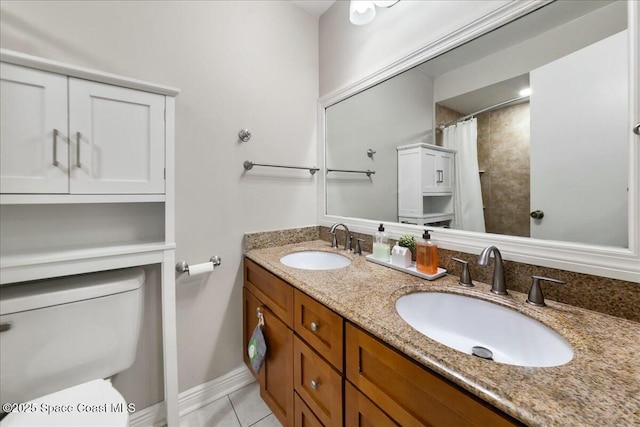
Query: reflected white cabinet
[[425, 184], [66, 135]]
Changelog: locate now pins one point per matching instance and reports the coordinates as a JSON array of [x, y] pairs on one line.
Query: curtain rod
[[484, 110]]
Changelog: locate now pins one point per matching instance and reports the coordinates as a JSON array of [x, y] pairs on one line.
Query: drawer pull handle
[[314, 384], [78, 164], [55, 147], [314, 326]]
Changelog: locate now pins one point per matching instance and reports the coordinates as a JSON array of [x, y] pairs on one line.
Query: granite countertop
[[599, 386]]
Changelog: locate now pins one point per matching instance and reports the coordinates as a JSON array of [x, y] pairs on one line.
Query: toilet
[[60, 341]]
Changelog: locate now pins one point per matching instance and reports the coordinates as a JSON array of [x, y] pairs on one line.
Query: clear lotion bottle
[[426, 255], [381, 248]]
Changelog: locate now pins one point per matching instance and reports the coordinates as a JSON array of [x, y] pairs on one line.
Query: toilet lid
[[94, 403]]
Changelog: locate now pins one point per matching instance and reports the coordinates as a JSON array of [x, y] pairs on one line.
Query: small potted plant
[[408, 241]]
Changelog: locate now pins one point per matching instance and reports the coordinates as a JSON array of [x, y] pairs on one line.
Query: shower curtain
[[467, 196]]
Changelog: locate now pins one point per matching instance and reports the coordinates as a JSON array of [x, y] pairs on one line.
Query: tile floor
[[242, 408]]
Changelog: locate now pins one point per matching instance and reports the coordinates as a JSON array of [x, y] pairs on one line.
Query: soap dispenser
[[426, 255], [381, 248]]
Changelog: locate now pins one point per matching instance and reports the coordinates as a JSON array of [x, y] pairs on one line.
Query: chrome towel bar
[[368, 172], [248, 165]]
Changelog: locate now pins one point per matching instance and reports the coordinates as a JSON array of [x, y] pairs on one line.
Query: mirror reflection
[[523, 131]]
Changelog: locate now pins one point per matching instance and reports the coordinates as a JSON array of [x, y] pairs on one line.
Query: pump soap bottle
[[381, 248], [426, 255]]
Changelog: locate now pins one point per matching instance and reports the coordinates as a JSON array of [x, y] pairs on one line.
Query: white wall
[[535, 52], [396, 112], [239, 64], [349, 53]]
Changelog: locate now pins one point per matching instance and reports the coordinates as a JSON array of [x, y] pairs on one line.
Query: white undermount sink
[[462, 323], [315, 260]]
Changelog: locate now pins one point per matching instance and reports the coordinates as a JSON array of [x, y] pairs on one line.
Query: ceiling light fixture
[[362, 12]]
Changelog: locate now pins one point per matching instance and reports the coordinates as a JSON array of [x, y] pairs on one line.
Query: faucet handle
[[465, 276], [358, 248], [536, 297], [334, 241]]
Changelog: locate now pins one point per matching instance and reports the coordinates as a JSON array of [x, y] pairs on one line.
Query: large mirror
[[521, 132]]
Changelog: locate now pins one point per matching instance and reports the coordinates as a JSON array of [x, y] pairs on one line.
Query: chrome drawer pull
[[314, 384], [78, 164], [55, 147], [314, 326]]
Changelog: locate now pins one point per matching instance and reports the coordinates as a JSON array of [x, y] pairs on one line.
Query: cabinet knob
[[314, 384], [636, 129], [314, 326]]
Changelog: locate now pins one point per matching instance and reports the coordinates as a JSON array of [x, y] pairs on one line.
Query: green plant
[[408, 241]]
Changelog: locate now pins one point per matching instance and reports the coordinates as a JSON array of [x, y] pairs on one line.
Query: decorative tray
[[411, 269]]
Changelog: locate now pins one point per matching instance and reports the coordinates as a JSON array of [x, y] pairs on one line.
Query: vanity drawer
[[320, 327], [303, 416], [317, 383], [408, 392], [361, 412], [273, 292]]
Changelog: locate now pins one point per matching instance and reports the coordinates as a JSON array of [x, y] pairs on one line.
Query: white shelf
[[410, 270], [21, 267], [40, 199]]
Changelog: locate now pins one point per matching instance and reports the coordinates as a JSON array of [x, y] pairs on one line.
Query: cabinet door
[[276, 375], [429, 162], [444, 172], [409, 183], [117, 139], [33, 147]]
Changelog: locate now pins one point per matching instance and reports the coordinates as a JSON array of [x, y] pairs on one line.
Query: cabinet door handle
[[314, 384], [78, 164], [440, 177], [314, 326], [55, 147], [636, 129]]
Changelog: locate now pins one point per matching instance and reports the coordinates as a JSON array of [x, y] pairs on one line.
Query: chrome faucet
[[499, 285], [347, 236]]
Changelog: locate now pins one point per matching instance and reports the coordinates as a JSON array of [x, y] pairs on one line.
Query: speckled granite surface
[[600, 386]]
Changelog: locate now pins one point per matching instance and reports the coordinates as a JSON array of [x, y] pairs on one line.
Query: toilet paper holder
[[183, 266]]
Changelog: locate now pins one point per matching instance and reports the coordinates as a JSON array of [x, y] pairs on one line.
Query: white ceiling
[[314, 7]]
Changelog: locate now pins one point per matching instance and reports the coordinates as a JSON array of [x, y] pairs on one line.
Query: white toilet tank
[[62, 332]]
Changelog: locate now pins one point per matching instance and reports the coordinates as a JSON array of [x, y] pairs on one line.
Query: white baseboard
[[194, 398]]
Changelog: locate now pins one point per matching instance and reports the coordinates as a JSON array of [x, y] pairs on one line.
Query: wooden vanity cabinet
[[301, 379], [323, 371]]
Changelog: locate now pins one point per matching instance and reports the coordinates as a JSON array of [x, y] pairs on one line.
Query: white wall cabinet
[[87, 180], [67, 135], [425, 184]]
